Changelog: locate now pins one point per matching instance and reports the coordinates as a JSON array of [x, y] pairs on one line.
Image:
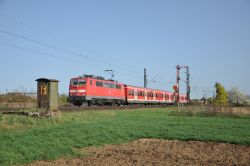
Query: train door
[[92, 87], [136, 94]]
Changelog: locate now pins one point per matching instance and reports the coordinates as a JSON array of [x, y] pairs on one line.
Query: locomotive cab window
[[82, 82], [74, 82]]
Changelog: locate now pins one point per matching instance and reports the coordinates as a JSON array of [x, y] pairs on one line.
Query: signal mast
[[177, 89]]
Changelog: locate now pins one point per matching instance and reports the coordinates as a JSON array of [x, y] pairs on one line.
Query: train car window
[[90, 82], [100, 84], [150, 94], [82, 82], [109, 85], [131, 93], [118, 86]]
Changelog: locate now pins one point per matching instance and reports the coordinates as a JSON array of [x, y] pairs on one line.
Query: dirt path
[[160, 152]]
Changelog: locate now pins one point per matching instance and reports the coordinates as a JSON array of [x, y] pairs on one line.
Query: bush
[[63, 99]]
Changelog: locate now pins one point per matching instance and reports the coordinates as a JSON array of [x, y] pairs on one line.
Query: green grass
[[25, 139]]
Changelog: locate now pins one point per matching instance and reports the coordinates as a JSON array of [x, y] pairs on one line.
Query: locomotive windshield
[[82, 82], [78, 82]]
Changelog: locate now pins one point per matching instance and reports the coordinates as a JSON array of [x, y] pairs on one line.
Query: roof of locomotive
[[97, 78]]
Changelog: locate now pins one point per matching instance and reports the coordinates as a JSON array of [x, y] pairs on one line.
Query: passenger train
[[95, 90]]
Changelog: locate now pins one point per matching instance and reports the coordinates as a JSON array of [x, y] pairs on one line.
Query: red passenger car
[[136, 95]]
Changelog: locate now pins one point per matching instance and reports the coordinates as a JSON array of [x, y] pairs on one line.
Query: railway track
[[85, 108]]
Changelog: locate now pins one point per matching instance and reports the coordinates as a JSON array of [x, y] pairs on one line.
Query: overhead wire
[[55, 56], [43, 53], [58, 48], [22, 24]]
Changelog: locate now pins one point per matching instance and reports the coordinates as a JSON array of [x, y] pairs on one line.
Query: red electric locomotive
[[95, 90]]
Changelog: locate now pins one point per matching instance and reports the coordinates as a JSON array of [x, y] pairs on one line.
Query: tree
[[248, 100], [236, 98], [221, 94]]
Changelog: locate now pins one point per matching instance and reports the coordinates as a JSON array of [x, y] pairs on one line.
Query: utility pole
[[145, 78]]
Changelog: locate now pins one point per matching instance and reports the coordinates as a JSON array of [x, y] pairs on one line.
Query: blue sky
[[88, 36]]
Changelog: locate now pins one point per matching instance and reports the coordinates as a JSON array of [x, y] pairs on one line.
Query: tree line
[[233, 97]]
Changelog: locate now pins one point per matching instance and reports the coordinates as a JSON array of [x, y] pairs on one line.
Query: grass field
[[25, 139]]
